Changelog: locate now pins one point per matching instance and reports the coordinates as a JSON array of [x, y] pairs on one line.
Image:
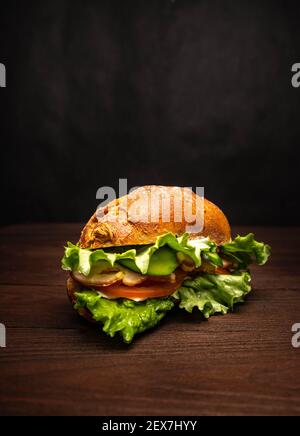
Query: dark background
[[184, 92]]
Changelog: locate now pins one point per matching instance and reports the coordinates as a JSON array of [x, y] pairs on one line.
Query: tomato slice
[[148, 289], [221, 271]]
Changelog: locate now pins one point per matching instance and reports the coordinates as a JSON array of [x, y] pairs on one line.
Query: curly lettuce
[[83, 259], [243, 250], [123, 316], [213, 293], [246, 250], [210, 294]]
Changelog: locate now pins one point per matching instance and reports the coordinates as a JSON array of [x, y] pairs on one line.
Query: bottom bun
[[72, 287]]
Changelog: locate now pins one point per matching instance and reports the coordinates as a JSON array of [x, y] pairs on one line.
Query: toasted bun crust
[[72, 287], [139, 217]]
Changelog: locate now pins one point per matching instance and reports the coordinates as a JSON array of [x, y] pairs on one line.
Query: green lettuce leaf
[[82, 259], [123, 316], [213, 293], [245, 250]]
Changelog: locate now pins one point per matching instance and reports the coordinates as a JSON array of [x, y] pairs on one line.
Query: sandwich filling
[[130, 289]]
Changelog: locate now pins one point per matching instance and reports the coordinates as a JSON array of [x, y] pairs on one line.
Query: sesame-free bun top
[[150, 211]]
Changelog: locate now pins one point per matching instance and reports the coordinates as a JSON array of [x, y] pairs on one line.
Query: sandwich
[[134, 262]]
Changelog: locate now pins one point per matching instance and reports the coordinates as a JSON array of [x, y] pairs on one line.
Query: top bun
[[141, 216]]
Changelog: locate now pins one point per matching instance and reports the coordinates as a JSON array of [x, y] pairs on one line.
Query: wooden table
[[57, 363]]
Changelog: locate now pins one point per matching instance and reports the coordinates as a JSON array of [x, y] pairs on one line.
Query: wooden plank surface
[[56, 363]]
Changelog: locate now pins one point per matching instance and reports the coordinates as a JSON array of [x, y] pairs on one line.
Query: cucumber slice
[[162, 263]]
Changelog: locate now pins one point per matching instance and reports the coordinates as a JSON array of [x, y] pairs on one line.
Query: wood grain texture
[[56, 363]]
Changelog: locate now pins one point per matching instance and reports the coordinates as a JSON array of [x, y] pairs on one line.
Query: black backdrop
[[184, 92]]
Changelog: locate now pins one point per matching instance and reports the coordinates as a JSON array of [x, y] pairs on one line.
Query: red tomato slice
[[220, 270], [148, 289]]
